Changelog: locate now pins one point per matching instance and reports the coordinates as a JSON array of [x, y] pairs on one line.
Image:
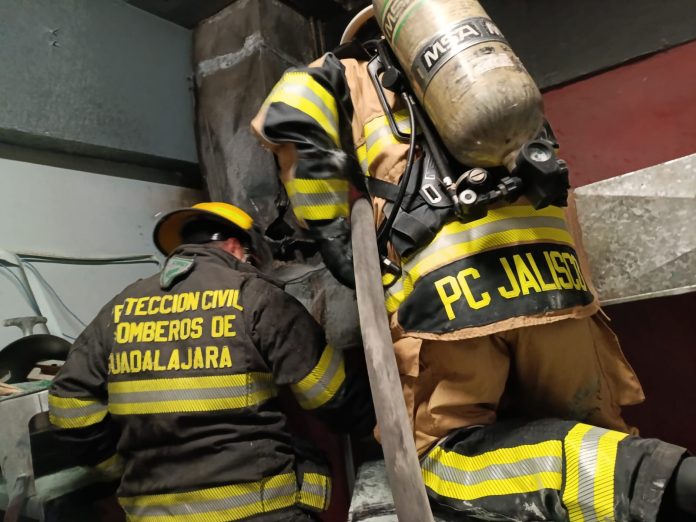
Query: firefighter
[[491, 319], [183, 369]]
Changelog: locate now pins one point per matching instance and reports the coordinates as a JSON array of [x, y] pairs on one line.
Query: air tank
[[478, 94]]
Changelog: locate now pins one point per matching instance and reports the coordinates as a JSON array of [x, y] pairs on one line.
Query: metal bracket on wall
[[638, 231]]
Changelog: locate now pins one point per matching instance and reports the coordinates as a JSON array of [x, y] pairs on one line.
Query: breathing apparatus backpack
[[478, 130]]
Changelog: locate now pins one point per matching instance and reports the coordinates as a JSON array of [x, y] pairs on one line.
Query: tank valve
[[545, 177], [476, 189]]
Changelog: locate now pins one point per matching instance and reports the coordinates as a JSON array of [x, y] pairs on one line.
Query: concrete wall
[[78, 214], [86, 79], [98, 78]]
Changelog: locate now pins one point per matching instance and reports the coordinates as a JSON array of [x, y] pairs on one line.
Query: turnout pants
[[569, 369], [548, 470]]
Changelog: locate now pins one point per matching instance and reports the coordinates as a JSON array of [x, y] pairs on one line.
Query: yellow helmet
[[167, 233]]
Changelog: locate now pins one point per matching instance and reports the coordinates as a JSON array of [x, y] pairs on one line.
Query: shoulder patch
[[175, 268]]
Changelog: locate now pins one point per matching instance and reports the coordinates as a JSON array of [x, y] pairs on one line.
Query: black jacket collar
[[219, 256]]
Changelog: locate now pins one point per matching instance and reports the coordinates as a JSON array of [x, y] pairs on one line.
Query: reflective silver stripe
[[320, 385], [323, 383], [190, 394], [373, 137], [361, 153], [395, 288], [309, 94], [491, 232], [481, 231], [197, 393], [71, 413], [207, 506], [587, 467], [517, 470], [75, 412], [314, 489], [315, 492], [522, 468], [590, 460], [364, 167], [300, 199], [302, 92]]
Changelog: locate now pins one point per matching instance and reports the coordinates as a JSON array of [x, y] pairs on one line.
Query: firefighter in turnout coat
[[181, 370], [491, 319]]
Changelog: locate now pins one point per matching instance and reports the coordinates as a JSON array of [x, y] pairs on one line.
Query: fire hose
[[401, 459]]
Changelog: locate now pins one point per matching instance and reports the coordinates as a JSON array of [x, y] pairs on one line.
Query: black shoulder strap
[[382, 189], [352, 49]]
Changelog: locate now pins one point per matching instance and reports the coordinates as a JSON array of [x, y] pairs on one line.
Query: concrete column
[[239, 54]]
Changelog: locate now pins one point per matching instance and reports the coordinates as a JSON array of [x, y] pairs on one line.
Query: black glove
[[336, 250]]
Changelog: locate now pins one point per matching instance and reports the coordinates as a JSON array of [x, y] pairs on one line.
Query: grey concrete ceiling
[[188, 13]]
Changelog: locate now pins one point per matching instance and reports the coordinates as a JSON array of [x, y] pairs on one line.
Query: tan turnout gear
[[533, 254], [495, 316]]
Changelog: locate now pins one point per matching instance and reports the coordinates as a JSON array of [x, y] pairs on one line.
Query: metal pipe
[[12, 259], [403, 469]]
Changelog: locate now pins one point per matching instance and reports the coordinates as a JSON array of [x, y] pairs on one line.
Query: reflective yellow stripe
[[193, 405], [232, 502], [76, 422], [190, 394], [232, 490], [319, 212], [315, 491], [313, 500], [72, 412], [380, 122], [321, 384], [552, 448], [379, 146], [590, 464], [187, 383], [516, 486], [492, 241], [315, 186], [361, 152], [302, 92], [72, 403], [514, 215], [604, 476], [316, 478], [314, 199], [388, 279], [572, 475], [507, 471], [379, 135], [506, 226], [394, 300]]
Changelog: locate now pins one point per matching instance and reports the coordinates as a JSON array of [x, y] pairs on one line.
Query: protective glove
[[336, 250]]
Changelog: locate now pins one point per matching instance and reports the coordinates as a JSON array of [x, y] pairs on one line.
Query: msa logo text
[[464, 34], [391, 17]]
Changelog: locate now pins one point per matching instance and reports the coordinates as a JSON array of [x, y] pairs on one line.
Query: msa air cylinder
[[479, 96]]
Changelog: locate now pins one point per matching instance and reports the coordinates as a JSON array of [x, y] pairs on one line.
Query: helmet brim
[[167, 233]]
